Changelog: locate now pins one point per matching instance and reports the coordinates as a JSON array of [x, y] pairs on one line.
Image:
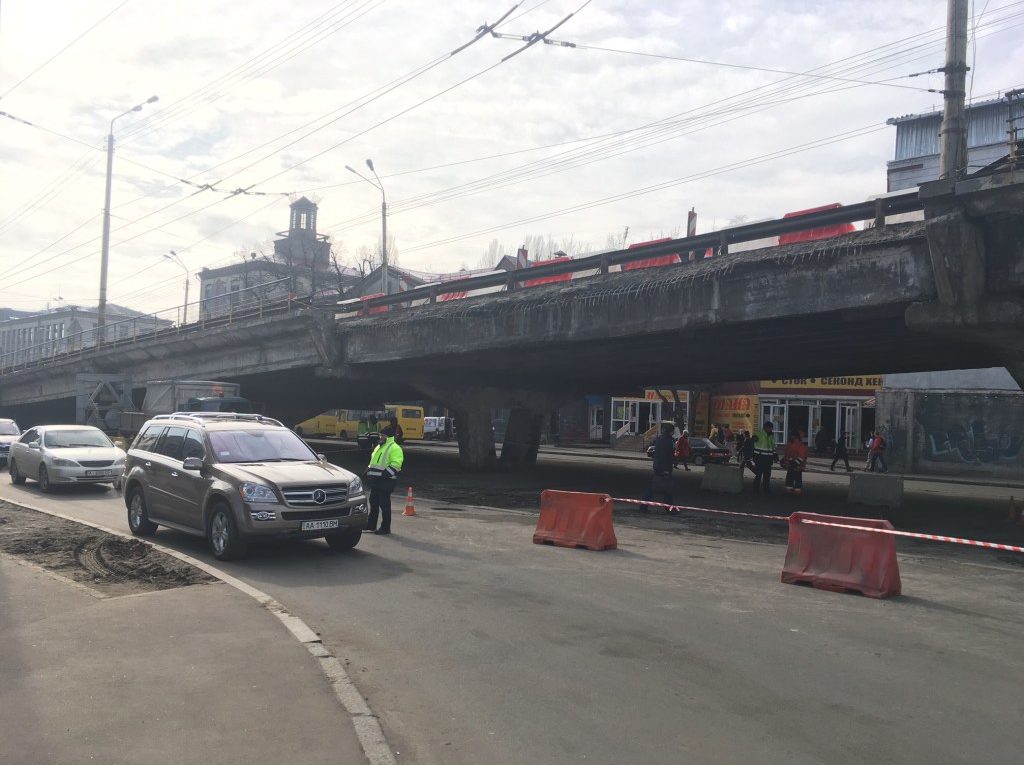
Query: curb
[[365, 723]]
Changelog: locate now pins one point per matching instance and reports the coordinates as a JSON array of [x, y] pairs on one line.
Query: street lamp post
[[383, 223], [176, 258], [101, 318]]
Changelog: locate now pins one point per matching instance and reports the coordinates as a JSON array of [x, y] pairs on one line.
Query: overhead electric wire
[[181, 250], [194, 212], [392, 117], [653, 128], [480, 34], [749, 162], [59, 52], [246, 190], [530, 171], [262, 62]]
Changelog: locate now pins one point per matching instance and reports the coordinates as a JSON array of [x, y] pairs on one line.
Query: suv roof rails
[[219, 416]]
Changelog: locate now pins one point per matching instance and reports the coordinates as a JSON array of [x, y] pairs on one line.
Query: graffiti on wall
[[978, 432]]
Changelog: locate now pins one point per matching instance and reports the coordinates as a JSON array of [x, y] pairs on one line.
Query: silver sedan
[[56, 454]]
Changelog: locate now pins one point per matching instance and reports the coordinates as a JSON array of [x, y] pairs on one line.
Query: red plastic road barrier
[[824, 232], [842, 557], [548, 279], [575, 519], [656, 261]]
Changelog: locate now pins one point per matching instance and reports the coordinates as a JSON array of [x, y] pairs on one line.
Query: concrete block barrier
[[880, 489], [842, 559], [725, 479], [575, 519]]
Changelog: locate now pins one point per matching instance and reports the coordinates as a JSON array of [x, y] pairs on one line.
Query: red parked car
[[703, 451]]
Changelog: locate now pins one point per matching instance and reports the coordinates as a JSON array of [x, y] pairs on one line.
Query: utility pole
[[953, 133], [101, 313]]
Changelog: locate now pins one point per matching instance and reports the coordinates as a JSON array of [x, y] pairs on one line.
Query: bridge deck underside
[[871, 341]]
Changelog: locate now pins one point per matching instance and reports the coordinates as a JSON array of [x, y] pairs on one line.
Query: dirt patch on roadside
[[107, 563]]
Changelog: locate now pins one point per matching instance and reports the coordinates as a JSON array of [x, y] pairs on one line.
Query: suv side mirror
[[192, 463], [33, 445], [321, 457]]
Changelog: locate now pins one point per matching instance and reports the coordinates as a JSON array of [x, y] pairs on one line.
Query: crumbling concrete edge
[[365, 723]]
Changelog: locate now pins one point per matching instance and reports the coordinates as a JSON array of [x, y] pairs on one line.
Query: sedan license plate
[[320, 525], [97, 473]]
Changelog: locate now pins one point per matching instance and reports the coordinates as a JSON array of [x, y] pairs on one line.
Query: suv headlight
[[256, 492], [61, 462], [356, 486]]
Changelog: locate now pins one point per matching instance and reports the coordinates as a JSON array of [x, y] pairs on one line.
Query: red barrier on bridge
[[575, 519], [811, 234], [842, 559], [548, 279]]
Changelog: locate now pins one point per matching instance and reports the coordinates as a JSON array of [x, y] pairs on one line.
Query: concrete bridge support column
[[475, 434], [969, 241], [522, 437]]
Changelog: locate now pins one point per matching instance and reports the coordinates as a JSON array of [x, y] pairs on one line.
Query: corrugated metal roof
[[917, 135]]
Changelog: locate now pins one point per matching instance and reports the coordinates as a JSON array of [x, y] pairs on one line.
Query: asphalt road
[[476, 646]]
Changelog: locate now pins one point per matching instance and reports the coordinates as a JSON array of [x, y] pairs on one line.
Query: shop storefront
[[635, 415], [833, 405]]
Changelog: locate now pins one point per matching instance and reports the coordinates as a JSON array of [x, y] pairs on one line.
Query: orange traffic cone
[[1015, 512], [409, 509]]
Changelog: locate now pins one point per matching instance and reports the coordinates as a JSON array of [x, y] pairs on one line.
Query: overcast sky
[[574, 126]]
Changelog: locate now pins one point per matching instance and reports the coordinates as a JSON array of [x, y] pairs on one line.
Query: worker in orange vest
[[795, 460]]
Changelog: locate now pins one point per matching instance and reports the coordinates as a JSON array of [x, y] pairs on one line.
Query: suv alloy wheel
[[138, 517], [222, 534]]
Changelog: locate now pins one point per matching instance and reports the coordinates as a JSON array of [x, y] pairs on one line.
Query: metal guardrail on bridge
[[221, 310], [876, 210], [53, 350]]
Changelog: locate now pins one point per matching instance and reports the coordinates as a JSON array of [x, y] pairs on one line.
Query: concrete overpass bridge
[[945, 293]]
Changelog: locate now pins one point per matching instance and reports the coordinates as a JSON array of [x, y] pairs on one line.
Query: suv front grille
[[307, 496], [95, 463], [313, 515]]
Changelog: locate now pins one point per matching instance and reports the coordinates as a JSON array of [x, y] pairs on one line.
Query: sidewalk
[[814, 464], [185, 675]]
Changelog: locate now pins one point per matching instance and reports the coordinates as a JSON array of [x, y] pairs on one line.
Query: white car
[[9, 433], [55, 454]]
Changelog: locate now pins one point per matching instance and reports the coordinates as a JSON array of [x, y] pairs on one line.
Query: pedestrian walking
[[876, 455], [661, 481], [839, 452], [381, 477], [713, 435], [683, 450], [764, 457], [795, 460], [745, 456], [397, 430], [820, 442]]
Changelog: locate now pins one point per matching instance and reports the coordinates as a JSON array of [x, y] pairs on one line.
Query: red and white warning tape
[[677, 508], [785, 519], [915, 535]]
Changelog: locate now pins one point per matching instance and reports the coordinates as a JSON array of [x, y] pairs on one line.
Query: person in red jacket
[[683, 450], [795, 460], [876, 454]]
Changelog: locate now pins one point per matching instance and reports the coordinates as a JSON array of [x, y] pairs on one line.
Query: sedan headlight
[[61, 462], [119, 462], [256, 492], [356, 486]]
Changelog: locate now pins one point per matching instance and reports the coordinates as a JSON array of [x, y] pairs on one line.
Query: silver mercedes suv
[[235, 477]]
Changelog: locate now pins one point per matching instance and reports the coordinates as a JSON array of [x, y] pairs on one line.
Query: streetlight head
[[369, 164], [350, 169], [137, 108], [153, 99]]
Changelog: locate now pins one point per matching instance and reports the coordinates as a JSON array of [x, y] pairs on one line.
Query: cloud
[[198, 55]]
